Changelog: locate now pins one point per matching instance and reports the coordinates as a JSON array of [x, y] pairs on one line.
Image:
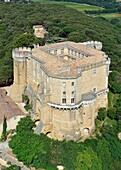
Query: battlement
[[21, 53], [93, 44]]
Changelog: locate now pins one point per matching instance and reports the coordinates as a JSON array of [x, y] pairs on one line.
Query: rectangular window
[[38, 75], [72, 100], [38, 65], [34, 73], [94, 72], [63, 100], [64, 84], [72, 83]]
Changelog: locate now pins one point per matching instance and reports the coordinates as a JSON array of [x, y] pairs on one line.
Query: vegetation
[[102, 152], [77, 6], [61, 25], [4, 133], [109, 4], [12, 167], [39, 151]]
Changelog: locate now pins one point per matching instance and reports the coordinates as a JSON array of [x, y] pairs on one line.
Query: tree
[[13, 167], [88, 160], [101, 114], [4, 133], [118, 113], [104, 154], [25, 124], [27, 40], [111, 113]]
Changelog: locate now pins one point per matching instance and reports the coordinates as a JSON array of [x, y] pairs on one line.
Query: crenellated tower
[[21, 58]]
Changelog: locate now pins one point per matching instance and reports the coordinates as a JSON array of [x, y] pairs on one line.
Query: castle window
[[64, 100], [72, 83], [34, 63], [34, 73], [38, 75], [94, 90], [38, 65], [72, 92], [64, 92], [94, 72], [64, 84], [72, 100]]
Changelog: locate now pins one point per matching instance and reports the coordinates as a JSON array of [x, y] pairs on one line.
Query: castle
[[66, 83]]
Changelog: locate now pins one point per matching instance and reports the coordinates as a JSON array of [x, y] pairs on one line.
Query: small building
[[66, 82], [7, 0], [9, 110], [40, 31]]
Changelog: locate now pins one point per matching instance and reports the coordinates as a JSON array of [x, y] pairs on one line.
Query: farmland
[[77, 6]]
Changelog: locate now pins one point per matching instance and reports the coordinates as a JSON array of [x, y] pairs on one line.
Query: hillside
[[61, 22], [109, 4]]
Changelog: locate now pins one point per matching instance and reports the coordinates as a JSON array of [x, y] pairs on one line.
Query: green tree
[[104, 154], [101, 114], [111, 113], [13, 167], [4, 133], [88, 160], [27, 40], [25, 124]]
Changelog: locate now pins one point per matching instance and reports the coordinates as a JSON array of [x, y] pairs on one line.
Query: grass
[[77, 6]]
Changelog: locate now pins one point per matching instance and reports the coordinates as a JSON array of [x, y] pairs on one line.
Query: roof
[[38, 26], [55, 64], [8, 107], [88, 96]]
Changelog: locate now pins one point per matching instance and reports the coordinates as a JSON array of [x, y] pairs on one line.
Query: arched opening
[[37, 120], [48, 132], [86, 131]]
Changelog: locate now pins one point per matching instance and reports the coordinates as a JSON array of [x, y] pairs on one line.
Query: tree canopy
[[61, 22]]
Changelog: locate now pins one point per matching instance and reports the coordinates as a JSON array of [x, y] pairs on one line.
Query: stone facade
[[66, 82]]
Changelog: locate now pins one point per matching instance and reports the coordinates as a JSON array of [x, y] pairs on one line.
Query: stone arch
[[86, 131]]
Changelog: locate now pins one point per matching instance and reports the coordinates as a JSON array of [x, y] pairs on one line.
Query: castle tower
[[20, 60]]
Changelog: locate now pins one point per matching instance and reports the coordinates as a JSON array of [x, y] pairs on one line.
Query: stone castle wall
[[63, 120]]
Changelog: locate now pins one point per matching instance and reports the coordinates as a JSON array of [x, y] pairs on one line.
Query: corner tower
[[20, 61]]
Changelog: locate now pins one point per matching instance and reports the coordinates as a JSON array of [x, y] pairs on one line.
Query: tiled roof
[[56, 65], [8, 107]]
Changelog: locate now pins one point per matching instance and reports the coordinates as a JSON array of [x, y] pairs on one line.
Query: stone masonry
[[66, 82]]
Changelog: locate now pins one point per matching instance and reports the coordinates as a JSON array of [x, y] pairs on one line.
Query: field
[[77, 6], [110, 15]]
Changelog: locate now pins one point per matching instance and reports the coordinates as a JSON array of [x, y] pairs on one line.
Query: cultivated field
[[77, 6], [110, 15]]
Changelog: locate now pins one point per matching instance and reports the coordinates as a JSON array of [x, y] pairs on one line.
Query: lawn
[[77, 6]]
